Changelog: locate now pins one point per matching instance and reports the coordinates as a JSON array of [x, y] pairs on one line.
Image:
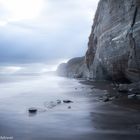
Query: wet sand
[[89, 118]]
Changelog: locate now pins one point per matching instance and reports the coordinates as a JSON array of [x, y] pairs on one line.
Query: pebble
[[132, 96], [69, 107], [67, 101], [32, 110], [106, 100], [58, 101]]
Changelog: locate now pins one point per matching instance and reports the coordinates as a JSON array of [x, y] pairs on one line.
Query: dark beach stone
[[69, 107], [123, 88], [138, 97], [58, 101], [32, 110], [117, 96], [106, 100], [112, 98], [133, 88], [138, 127], [132, 96], [52, 105], [67, 101]]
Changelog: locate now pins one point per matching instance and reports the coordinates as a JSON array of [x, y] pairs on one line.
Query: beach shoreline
[[88, 117]]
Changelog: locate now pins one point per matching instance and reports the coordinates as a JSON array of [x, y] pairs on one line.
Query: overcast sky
[[44, 31]]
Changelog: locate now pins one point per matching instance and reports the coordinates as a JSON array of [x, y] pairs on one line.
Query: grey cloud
[[60, 33]]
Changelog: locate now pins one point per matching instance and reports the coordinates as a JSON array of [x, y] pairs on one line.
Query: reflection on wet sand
[[66, 110]]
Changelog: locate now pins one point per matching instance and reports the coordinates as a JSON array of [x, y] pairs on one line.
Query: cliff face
[[74, 68], [114, 44]]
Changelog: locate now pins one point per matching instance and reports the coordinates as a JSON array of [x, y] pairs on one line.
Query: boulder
[[130, 88], [67, 101], [123, 88], [132, 96], [32, 110]]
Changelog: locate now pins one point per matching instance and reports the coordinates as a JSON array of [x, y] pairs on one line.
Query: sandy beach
[[87, 118]]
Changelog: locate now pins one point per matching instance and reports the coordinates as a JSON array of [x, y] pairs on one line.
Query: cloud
[[53, 29], [17, 10]]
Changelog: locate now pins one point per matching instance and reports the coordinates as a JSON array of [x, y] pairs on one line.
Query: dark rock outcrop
[[130, 88], [114, 44]]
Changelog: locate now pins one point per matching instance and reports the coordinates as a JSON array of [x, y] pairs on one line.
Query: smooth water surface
[[85, 119]]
